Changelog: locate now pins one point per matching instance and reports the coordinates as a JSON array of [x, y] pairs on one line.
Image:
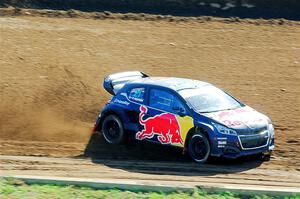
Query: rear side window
[[137, 94], [164, 100]]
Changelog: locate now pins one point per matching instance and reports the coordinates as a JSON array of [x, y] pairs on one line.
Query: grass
[[12, 188]]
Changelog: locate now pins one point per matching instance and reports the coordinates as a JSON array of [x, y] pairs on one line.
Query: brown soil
[[238, 176], [51, 72]]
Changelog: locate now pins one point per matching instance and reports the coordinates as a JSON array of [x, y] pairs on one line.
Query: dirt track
[[161, 173], [51, 71]]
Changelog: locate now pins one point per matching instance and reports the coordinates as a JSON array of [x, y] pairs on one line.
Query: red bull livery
[[164, 125], [198, 117]]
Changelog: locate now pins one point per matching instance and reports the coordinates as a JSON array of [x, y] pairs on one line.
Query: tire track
[[143, 171]]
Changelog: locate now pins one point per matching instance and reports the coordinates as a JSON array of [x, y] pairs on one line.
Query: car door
[[166, 120]]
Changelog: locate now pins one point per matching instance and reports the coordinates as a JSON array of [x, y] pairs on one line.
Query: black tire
[[112, 129], [199, 147], [266, 156]]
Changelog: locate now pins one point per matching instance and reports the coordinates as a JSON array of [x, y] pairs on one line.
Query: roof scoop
[[114, 82]]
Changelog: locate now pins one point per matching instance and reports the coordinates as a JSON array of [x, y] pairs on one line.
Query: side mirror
[[179, 110]]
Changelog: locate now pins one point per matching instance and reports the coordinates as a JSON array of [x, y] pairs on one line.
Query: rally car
[[197, 116]]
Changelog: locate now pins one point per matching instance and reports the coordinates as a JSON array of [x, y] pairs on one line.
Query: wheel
[[112, 129], [199, 147], [266, 156]]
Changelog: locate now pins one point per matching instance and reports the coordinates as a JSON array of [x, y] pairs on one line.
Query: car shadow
[[150, 158]]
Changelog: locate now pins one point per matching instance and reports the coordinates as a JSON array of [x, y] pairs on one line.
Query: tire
[[199, 147], [266, 156], [112, 130]]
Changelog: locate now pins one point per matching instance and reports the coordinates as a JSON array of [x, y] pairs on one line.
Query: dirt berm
[[288, 9]]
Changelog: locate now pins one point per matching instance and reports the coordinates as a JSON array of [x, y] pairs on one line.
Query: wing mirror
[[179, 110]]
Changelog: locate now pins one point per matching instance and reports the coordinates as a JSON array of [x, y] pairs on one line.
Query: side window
[[165, 101], [137, 94]]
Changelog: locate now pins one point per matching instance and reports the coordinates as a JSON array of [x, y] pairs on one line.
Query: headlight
[[224, 130], [271, 130]]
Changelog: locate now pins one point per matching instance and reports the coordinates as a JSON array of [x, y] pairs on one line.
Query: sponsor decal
[[222, 142], [121, 102], [164, 125], [123, 94], [238, 117], [222, 138], [136, 99]]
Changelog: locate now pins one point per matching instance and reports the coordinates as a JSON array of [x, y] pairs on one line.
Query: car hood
[[240, 118]]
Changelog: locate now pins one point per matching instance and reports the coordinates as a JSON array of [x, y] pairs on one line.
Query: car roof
[[174, 83]]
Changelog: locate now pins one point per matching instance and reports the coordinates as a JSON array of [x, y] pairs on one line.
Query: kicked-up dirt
[[51, 72]]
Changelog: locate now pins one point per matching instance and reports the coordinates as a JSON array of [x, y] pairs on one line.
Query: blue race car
[[197, 116]]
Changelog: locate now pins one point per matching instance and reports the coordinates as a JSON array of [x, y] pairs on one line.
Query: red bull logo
[[238, 117], [164, 125]]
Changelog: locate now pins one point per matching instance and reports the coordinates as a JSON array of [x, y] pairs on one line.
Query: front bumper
[[231, 146]]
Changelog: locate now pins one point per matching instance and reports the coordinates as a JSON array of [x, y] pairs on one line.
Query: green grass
[[12, 188]]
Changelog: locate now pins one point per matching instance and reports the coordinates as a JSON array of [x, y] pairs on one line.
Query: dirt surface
[[13, 11], [288, 9], [51, 72], [181, 174]]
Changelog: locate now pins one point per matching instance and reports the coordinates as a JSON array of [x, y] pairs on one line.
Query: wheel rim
[[199, 148], [112, 130]]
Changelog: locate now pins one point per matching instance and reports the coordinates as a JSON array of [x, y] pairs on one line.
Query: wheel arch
[[105, 114], [206, 130]]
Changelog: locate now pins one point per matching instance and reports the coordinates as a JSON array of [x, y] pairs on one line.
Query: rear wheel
[[199, 147], [112, 129]]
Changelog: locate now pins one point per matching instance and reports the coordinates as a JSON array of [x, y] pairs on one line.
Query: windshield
[[209, 99]]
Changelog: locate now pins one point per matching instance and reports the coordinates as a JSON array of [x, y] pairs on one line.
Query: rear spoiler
[[114, 82]]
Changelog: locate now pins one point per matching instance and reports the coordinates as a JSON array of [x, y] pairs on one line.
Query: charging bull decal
[[164, 125]]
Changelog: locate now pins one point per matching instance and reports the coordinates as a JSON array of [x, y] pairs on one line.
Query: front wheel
[[112, 129], [199, 147]]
